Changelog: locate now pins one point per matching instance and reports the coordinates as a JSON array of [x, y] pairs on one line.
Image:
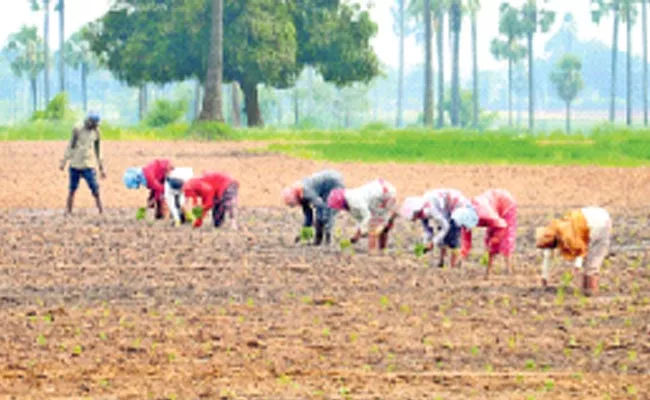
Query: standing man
[[84, 155]]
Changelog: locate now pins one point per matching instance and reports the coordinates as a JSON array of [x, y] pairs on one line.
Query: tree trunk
[[33, 84], [628, 99], [428, 67], [84, 86], [46, 51], [61, 45], [197, 99], [644, 17], [568, 117], [531, 84], [141, 103], [456, 23], [236, 108], [296, 107], [475, 110], [251, 97], [441, 68], [212, 100], [400, 79], [510, 92], [612, 105]]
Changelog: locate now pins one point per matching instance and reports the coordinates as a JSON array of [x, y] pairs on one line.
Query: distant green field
[[605, 145]]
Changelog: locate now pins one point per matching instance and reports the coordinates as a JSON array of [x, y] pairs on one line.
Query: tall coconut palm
[[474, 6], [399, 16], [644, 23], [455, 26], [78, 55], [534, 19], [439, 19], [60, 8], [26, 48], [428, 65], [599, 9], [629, 16], [37, 5], [509, 47]]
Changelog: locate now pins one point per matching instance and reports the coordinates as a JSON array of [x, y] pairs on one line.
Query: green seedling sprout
[[306, 233], [419, 250], [345, 244], [141, 214], [197, 212]]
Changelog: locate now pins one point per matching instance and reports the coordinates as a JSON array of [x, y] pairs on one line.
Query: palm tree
[[236, 107], [78, 55], [474, 6], [533, 20], [629, 15], [439, 19], [36, 6], [60, 8], [600, 8], [212, 101], [644, 17], [456, 21], [399, 15], [568, 82], [428, 66], [28, 60], [509, 48]]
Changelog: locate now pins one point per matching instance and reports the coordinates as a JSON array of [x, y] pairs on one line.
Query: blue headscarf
[[465, 217], [133, 178]]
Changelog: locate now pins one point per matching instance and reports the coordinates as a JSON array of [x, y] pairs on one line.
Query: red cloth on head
[[155, 173]]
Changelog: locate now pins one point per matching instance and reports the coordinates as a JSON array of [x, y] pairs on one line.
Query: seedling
[[419, 250], [76, 350], [197, 212], [549, 385], [41, 340], [141, 214], [345, 244], [306, 233]]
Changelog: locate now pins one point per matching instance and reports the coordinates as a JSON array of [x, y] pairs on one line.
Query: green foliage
[[141, 214], [165, 112], [567, 78], [197, 212], [307, 233], [211, 130], [139, 41], [467, 98], [419, 250], [26, 47], [57, 110]]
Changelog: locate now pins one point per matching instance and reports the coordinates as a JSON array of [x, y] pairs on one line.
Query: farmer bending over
[[174, 196], [84, 154], [152, 176], [217, 192], [450, 211], [582, 236], [497, 211], [312, 192], [373, 206]]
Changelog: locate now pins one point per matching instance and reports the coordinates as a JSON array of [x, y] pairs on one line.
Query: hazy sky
[[79, 12]]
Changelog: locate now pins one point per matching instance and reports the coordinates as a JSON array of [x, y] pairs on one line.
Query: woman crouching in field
[[217, 192], [497, 211], [152, 176], [174, 196], [312, 193], [450, 211], [582, 236], [373, 206]]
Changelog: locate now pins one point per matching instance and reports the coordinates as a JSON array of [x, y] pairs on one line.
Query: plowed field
[[108, 307]]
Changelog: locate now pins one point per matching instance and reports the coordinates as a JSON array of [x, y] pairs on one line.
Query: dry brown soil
[[109, 307]]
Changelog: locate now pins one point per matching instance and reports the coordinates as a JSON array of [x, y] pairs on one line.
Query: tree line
[[249, 43]]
